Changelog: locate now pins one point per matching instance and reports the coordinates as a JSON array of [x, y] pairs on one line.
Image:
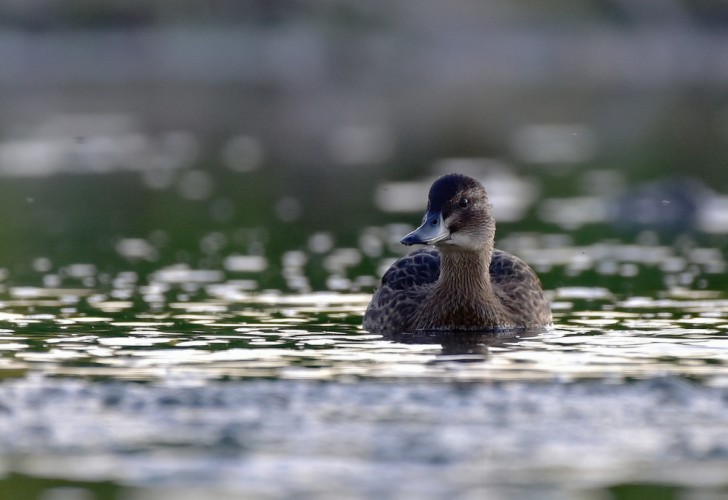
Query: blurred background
[[226, 133], [176, 177]]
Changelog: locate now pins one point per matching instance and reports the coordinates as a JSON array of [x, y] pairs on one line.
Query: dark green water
[[188, 342]]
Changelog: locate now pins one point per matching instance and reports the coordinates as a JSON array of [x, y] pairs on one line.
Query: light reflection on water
[[236, 333], [278, 390]]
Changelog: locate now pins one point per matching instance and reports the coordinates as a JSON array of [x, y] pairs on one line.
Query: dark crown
[[447, 187]]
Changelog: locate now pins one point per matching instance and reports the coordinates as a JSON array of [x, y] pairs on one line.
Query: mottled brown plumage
[[462, 283]]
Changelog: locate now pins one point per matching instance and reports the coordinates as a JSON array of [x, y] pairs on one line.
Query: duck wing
[[421, 267], [519, 289], [404, 286]]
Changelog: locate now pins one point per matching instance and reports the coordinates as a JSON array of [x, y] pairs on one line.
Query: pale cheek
[[464, 240]]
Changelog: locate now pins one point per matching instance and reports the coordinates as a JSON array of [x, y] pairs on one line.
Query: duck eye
[[463, 202]]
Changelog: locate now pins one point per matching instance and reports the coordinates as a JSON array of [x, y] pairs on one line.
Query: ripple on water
[[377, 398], [295, 438], [218, 323], [318, 336]]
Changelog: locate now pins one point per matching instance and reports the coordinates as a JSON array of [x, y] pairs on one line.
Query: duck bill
[[430, 232]]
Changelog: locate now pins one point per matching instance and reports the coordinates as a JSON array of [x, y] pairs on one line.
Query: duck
[[458, 281]]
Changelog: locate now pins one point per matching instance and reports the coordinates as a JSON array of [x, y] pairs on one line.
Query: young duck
[[463, 283]]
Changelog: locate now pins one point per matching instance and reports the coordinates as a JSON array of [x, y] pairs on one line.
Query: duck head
[[459, 216]]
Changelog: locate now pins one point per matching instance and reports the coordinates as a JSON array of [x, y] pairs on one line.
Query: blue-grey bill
[[430, 232]]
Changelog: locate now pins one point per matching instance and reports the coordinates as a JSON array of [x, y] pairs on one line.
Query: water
[[211, 324], [192, 383], [200, 348], [365, 439], [317, 336]]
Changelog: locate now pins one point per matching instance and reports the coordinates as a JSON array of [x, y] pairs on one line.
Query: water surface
[[230, 361]]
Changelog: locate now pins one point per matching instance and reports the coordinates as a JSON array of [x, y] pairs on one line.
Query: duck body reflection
[[460, 282], [465, 346]]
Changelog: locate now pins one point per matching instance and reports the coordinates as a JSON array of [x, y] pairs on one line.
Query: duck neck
[[463, 296], [466, 271]]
